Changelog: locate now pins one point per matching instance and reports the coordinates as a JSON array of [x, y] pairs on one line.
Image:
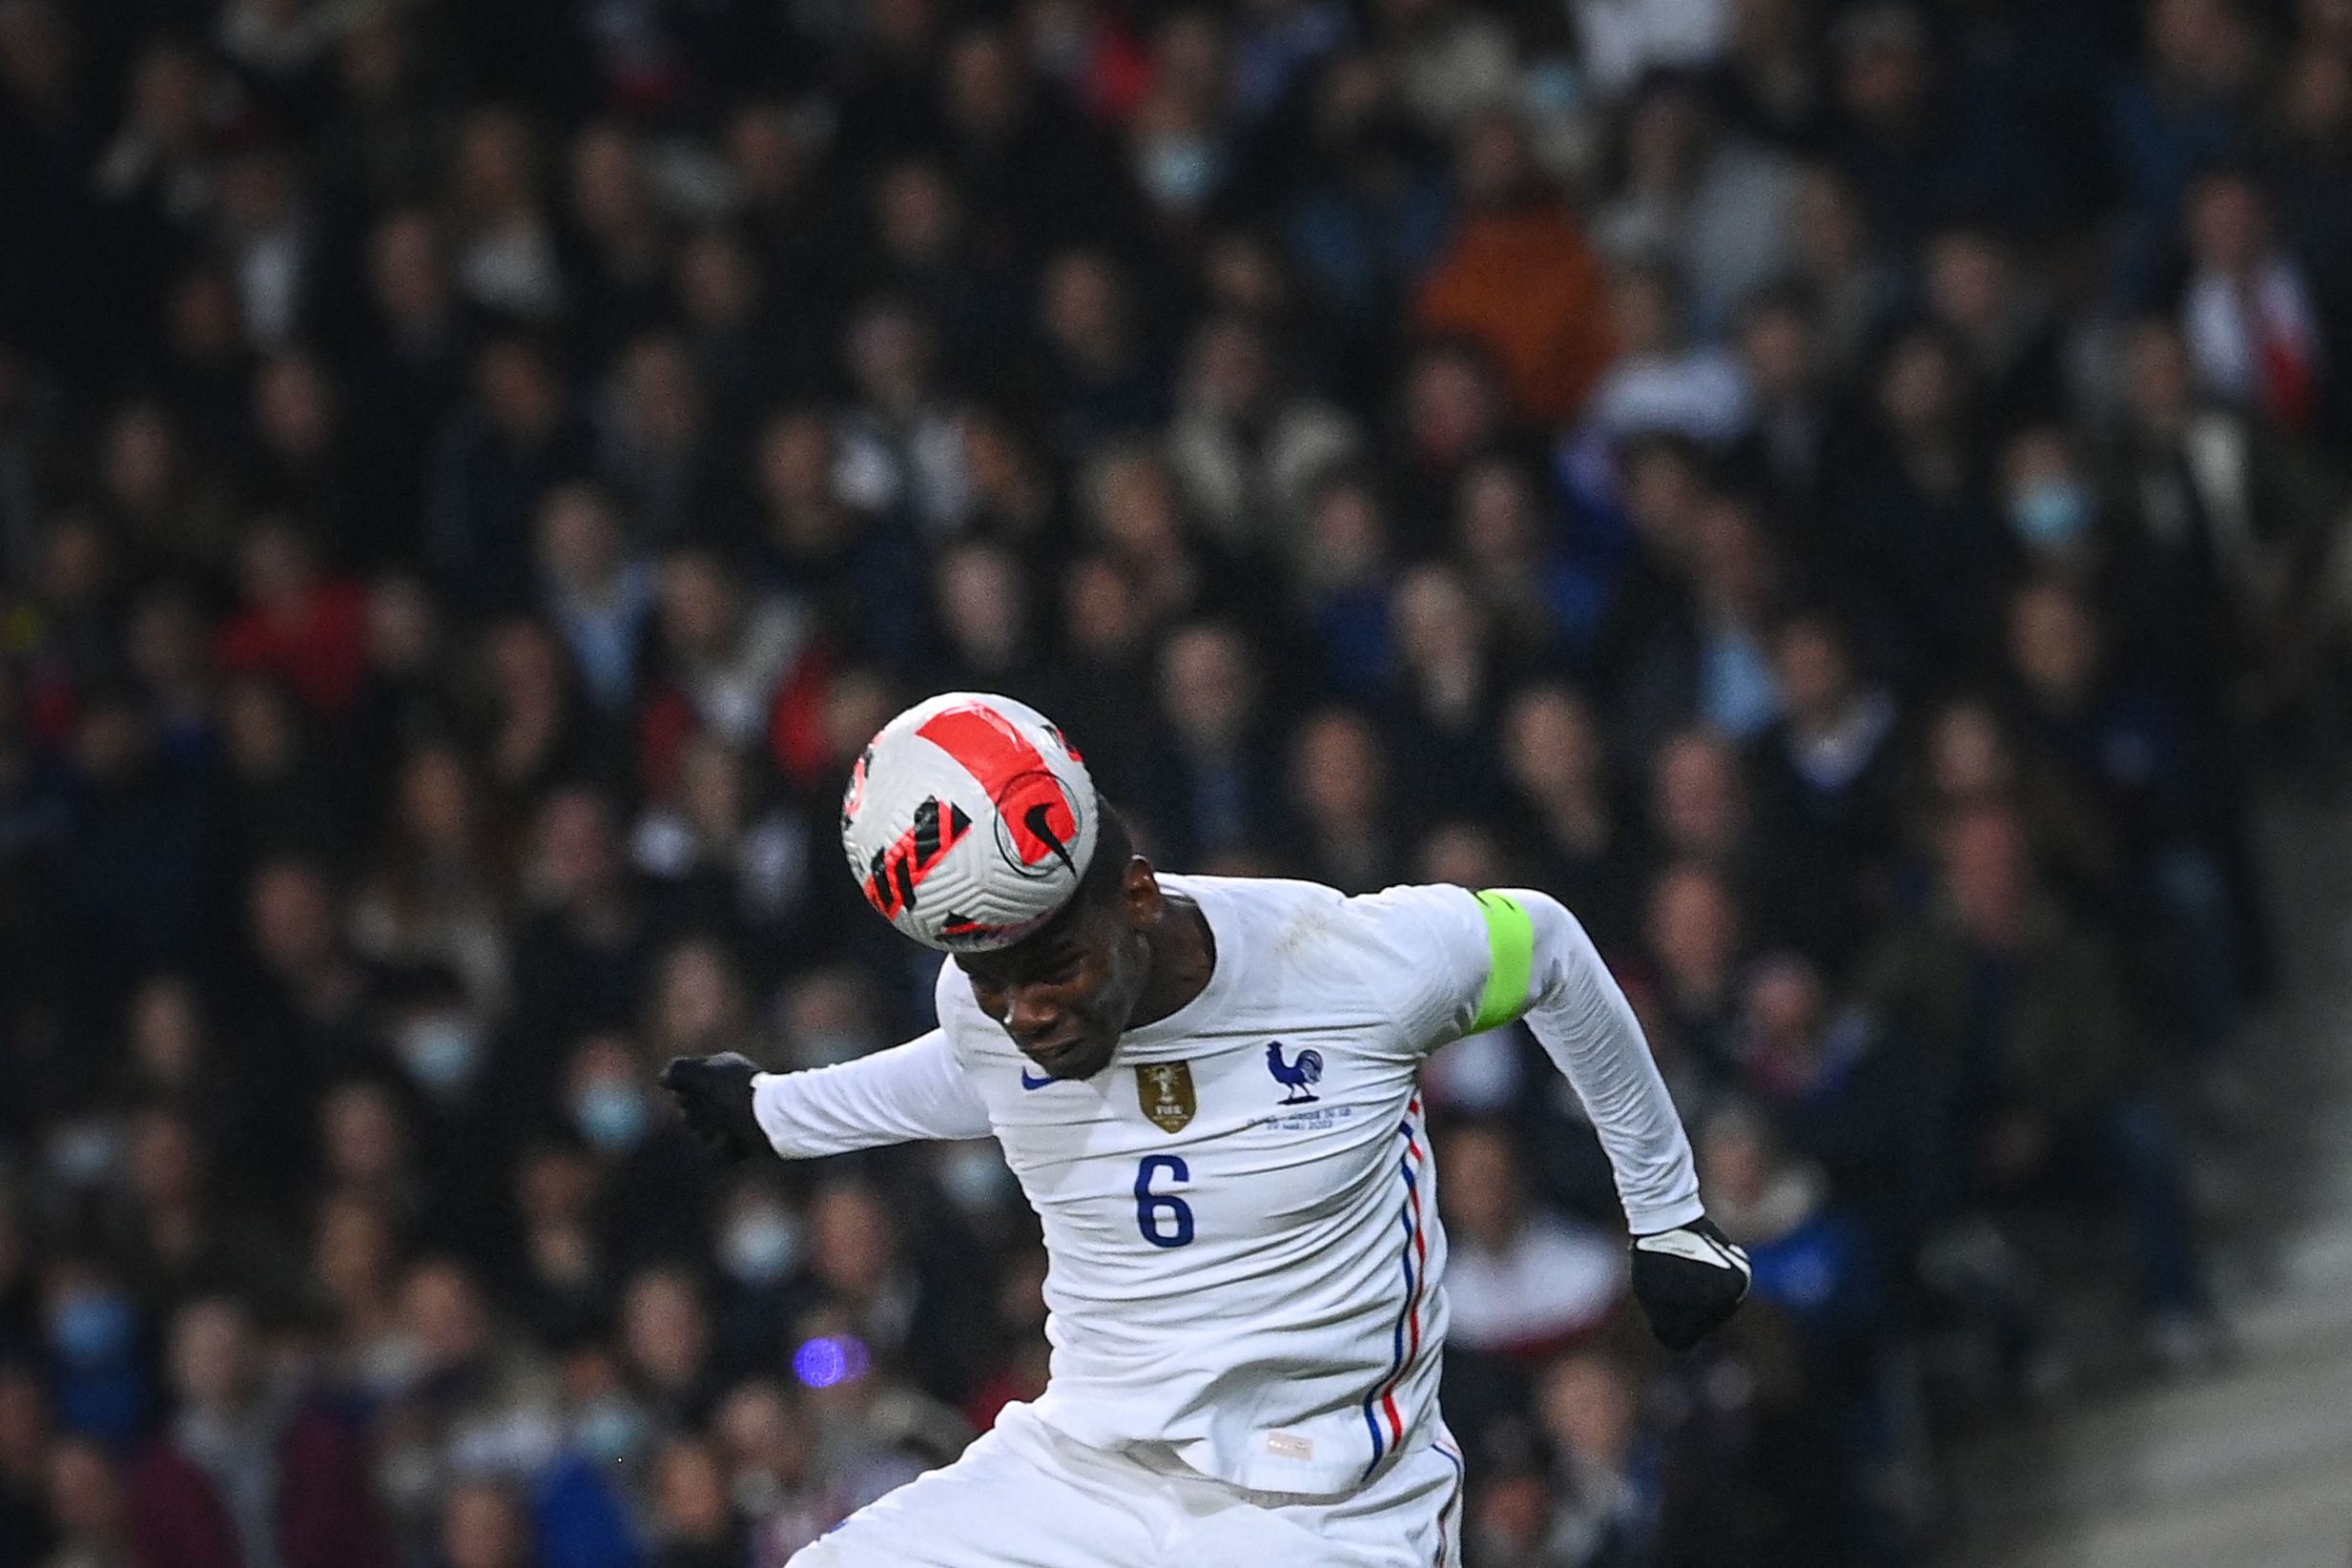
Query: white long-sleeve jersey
[[1244, 1261]]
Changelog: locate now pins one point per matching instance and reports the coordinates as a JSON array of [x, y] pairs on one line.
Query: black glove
[[715, 1097], [1688, 1281]]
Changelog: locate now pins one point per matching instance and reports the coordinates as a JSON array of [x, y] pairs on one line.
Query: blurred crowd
[[1845, 495]]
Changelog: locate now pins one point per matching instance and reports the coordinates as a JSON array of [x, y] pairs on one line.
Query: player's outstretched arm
[[1687, 1277], [907, 1094]]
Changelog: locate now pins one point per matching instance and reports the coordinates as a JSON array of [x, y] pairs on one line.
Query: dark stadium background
[[1846, 496]]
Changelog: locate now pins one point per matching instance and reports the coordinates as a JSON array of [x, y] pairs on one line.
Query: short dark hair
[[1114, 846]]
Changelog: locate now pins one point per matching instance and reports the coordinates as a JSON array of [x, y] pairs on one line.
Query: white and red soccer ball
[[969, 821]]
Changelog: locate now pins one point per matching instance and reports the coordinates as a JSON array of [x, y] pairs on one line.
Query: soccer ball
[[968, 822]]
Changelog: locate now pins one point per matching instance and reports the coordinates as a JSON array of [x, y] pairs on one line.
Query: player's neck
[[1184, 955]]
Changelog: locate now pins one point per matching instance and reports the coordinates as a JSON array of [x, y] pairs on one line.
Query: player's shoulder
[[1263, 906], [1409, 906], [1306, 925], [1431, 935]]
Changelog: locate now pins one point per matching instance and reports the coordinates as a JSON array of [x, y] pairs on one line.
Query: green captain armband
[[1510, 945]]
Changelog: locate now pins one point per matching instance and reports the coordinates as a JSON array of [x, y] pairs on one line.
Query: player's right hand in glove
[[715, 1098], [1688, 1281]]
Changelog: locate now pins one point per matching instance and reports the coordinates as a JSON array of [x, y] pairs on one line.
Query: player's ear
[[1140, 901]]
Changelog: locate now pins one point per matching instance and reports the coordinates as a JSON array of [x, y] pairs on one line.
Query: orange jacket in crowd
[[1524, 285]]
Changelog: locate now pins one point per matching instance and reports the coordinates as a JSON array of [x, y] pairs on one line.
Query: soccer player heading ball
[[1210, 1089]]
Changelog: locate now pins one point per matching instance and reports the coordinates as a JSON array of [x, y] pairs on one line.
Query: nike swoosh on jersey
[[1028, 1082]]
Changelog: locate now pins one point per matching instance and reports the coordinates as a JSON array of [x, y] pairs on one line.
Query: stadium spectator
[[91, 1522], [770, 1451], [1606, 1491], [1574, 825], [2046, 1064], [26, 1530], [484, 1526], [1533, 1282], [1339, 797], [1519, 279], [250, 1473], [1248, 451]]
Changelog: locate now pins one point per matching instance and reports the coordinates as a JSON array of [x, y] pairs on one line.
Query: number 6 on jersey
[[1154, 1210]]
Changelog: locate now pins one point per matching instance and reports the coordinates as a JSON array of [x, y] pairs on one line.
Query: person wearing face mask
[[94, 1342], [978, 1186], [1182, 128], [2051, 506], [446, 1060], [604, 1104], [442, 1050], [1180, 169], [761, 1246], [650, 1184], [609, 1424]]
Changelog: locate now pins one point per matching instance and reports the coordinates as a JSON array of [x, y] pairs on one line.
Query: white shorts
[[1025, 1496]]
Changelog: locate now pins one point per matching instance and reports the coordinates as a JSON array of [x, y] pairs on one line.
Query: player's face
[[1065, 994]]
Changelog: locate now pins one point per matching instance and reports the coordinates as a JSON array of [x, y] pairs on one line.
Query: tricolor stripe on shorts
[[1381, 1416], [1454, 1498]]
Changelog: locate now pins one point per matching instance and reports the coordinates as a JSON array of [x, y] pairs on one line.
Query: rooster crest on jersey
[[1295, 1077], [968, 822]]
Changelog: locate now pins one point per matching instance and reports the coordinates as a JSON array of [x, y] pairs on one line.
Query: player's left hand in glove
[[1688, 1281], [715, 1098]]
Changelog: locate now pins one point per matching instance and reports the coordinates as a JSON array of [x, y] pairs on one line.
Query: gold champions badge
[[1165, 1089]]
